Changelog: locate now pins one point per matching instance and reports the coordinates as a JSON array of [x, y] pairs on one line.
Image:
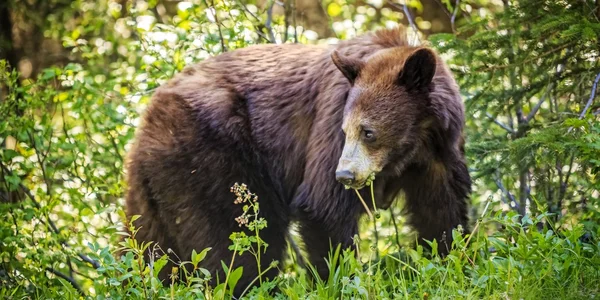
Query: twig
[[538, 105], [453, 18], [404, 8], [87, 259], [510, 196], [592, 96], [365, 205], [563, 183], [524, 191], [504, 126], [294, 21], [223, 48], [286, 21], [67, 278], [590, 100], [258, 28], [444, 8], [268, 22]]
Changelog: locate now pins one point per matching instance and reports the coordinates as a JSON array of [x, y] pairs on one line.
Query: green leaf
[[198, 257], [234, 277], [8, 154], [159, 264]]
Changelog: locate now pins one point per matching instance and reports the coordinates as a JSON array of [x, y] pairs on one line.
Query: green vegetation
[[75, 76]]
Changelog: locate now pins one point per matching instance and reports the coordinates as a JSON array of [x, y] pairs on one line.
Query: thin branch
[[286, 21], [444, 8], [90, 261], [67, 278], [41, 163], [223, 48], [453, 18], [592, 96], [512, 201], [268, 22], [294, 21], [504, 126], [256, 18], [404, 8], [590, 100], [523, 191], [329, 20], [539, 104], [563, 183]]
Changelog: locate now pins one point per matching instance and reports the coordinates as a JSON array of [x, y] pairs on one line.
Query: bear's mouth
[[357, 185]]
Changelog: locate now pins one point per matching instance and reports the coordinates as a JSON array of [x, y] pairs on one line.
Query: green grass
[[515, 261], [506, 257]]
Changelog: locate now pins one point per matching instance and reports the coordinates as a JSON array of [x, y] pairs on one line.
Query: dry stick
[[365, 205]]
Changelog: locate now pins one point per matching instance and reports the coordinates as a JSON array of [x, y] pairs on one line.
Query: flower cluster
[[242, 220], [242, 194]]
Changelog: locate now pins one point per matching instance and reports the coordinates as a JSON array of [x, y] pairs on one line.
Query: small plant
[[243, 242]]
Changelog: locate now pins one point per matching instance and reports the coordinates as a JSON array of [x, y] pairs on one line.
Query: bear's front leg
[[321, 238], [436, 200]]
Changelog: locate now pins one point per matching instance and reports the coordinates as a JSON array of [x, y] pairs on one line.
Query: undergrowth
[[521, 261]]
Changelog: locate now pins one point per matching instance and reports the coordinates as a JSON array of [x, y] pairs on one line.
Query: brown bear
[[298, 124]]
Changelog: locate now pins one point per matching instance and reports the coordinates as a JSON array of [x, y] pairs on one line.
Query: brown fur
[[270, 116]]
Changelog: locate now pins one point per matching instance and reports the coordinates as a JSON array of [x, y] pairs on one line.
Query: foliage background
[[76, 75]]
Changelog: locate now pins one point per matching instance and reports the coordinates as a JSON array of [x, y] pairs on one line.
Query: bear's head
[[386, 113]]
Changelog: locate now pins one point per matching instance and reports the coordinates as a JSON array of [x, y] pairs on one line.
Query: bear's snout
[[345, 177]]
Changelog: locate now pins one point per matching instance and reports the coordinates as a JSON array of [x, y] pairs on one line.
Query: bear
[[301, 126]]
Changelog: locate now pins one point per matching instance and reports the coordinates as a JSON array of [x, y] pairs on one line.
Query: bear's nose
[[346, 177]]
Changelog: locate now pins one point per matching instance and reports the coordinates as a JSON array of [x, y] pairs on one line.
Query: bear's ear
[[418, 70], [350, 67]]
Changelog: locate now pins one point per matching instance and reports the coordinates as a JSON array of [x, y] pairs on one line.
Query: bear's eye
[[368, 135]]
